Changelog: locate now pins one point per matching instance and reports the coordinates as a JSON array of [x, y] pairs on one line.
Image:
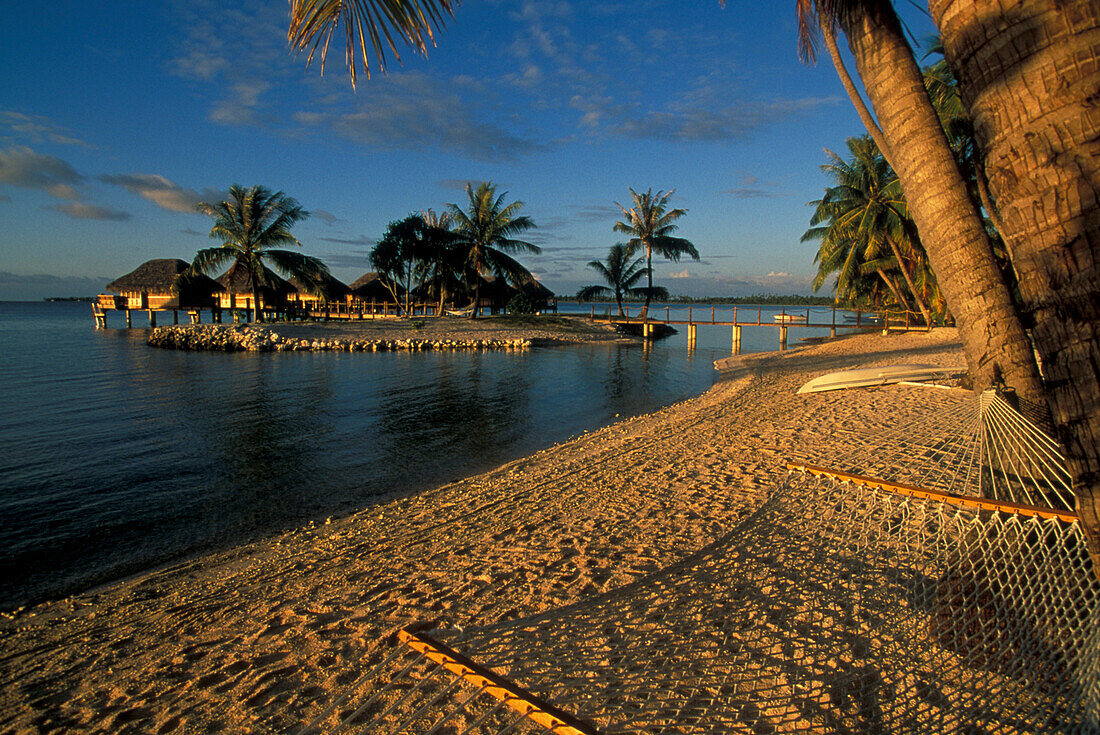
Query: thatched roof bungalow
[[161, 284], [237, 285], [370, 288], [539, 295], [493, 293], [331, 289]]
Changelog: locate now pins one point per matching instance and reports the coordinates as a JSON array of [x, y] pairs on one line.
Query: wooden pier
[[217, 314], [754, 317]]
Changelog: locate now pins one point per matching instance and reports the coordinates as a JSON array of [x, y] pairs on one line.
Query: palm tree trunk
[[649, 280], [909, 281], [951, 229], [1028, 76], [477, 299], [849, 86], [259, 316], [893, 288]]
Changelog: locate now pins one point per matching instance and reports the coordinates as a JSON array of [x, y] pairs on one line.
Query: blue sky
[[115, 121]]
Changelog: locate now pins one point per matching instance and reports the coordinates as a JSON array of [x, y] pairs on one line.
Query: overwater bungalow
[[161, 284], [494, 294], [331, 290], [237, 292], [370, 288], [541, 297]]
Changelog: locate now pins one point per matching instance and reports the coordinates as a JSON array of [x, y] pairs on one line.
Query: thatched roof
[[370, 285], [331, 287], [236, 281], [535, 290], [494, 288], [163, 275]]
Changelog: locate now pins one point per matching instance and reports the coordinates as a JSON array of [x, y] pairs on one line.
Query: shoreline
[[261, 636]]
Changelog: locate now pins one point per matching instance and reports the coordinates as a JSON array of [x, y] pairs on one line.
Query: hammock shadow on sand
[[836, 606]]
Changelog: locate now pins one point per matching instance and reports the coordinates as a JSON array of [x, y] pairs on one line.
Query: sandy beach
[[260, 638]]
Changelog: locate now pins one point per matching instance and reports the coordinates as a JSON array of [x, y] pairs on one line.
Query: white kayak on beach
[[866, 377]]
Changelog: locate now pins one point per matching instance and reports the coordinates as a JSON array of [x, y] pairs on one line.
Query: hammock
[[843, 604]]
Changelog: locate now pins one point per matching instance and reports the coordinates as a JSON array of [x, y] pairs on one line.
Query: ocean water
[[118, 458]]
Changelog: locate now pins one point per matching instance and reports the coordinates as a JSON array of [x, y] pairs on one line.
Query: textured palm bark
[[1029, 74], [951, 229], [849, 86]]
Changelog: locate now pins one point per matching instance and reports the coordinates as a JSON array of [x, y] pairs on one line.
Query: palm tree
[[951, 228], [650, 224], [1027, 77], [1037, 154], [373, 23], [484, 232], [443, 258], [251, 224], [620, 273], [866, 214]]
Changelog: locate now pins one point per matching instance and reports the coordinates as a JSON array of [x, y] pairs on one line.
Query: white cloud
[[411, 111], [38, 129], [80, 210], [23, 167], [161, 191]]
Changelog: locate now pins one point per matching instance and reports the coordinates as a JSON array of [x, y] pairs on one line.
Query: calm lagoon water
[[118, 457]]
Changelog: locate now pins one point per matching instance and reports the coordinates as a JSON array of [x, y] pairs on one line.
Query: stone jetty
[[250, 338]]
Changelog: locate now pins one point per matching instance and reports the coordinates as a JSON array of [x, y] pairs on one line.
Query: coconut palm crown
[[863, 226], [650, 223], [485, 234], [620, 274], [373, 24], [252, 223]]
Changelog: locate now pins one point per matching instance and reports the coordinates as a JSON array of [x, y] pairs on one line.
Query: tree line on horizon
[[444, 256], [441, 256], [1037, 139]]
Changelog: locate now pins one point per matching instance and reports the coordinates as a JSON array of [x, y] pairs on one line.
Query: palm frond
[[209, 260], [376, 24]]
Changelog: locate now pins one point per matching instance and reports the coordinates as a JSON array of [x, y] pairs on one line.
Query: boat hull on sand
[[867, 377]]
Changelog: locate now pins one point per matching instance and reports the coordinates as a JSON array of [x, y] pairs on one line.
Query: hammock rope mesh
[[836, 606]]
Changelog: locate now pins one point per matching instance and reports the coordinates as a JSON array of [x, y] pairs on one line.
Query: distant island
[[70, 298], [757, 300]]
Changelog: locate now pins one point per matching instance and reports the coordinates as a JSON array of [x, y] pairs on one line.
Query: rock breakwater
[[250, 338]]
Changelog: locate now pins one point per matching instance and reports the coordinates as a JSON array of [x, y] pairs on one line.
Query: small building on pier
[[161, 284], [540, 296], [493, 293], [330, 290], [237, 292], [369, 288]]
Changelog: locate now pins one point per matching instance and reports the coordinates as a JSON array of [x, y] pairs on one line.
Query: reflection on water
[[121, 457]]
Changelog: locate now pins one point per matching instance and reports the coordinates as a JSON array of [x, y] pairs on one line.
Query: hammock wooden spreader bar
[[513, 696], [949, 498]]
